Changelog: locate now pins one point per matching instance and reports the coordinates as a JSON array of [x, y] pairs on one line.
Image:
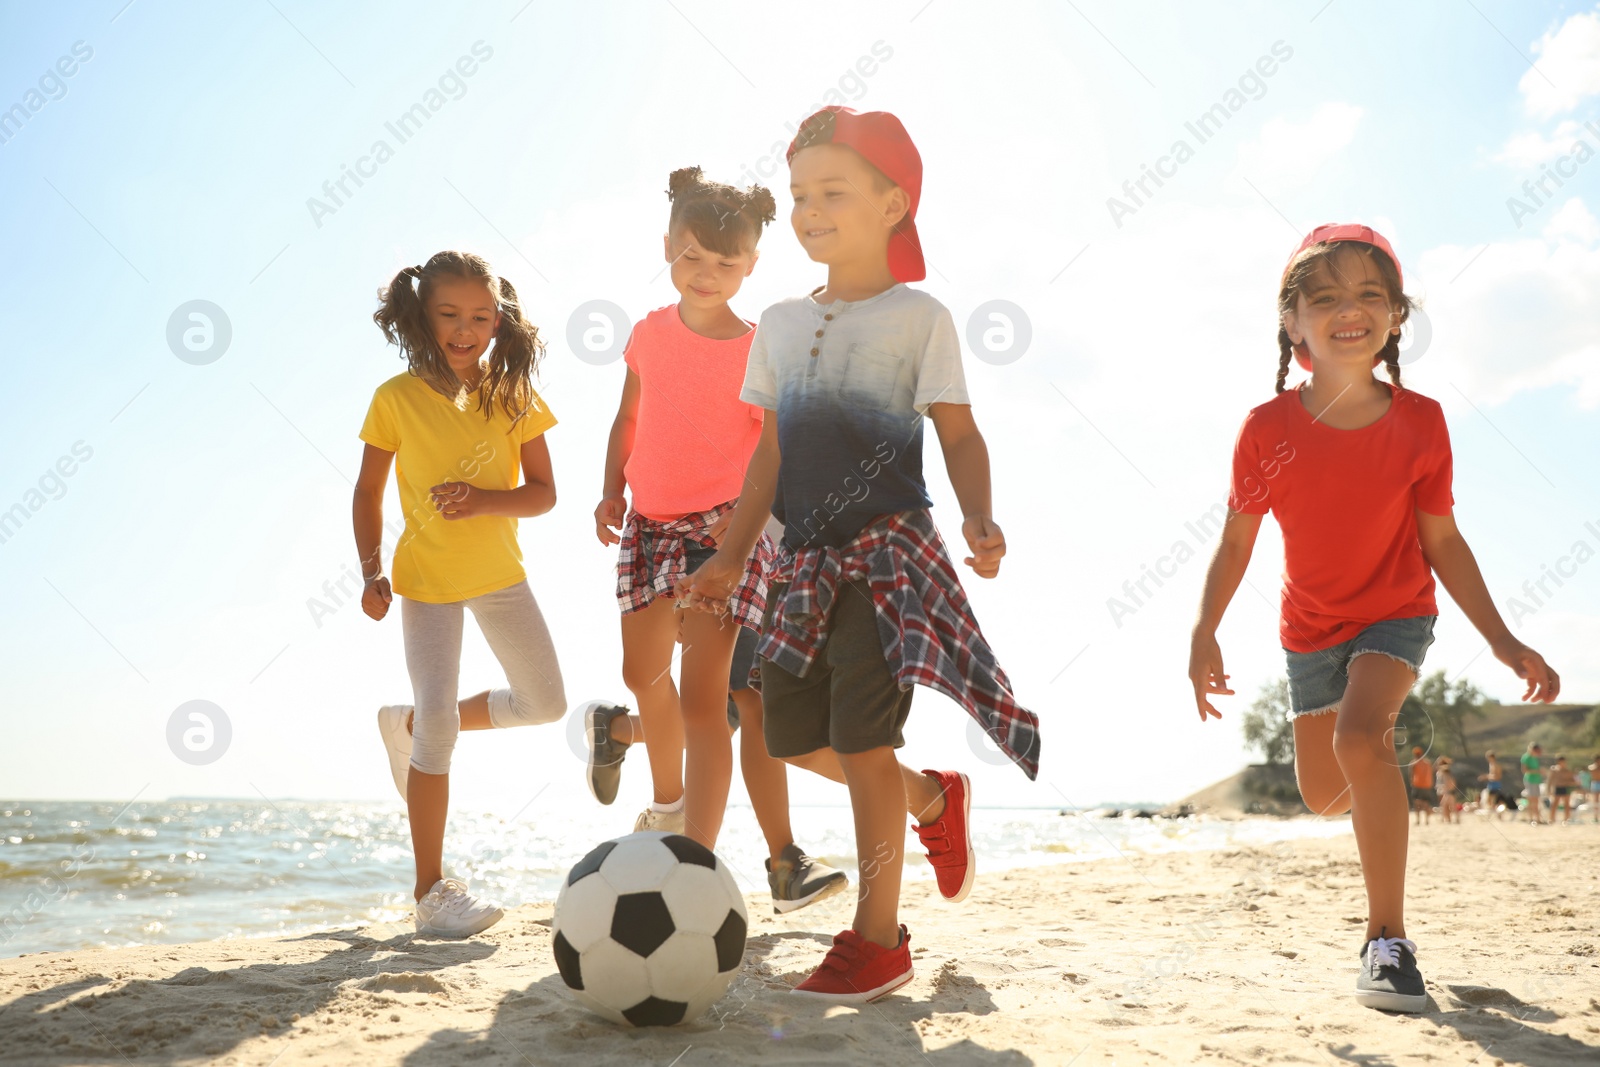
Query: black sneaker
[[1389, 978], [799, 880], [605, 754]]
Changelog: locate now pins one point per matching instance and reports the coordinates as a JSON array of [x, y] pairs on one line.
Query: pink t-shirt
[[693, 436]]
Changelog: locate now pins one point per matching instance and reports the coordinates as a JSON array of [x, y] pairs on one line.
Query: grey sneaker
[[670, 822], [605, 754], [1389, 978], [799, 880]]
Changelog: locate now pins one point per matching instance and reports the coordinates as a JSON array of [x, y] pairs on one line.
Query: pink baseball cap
[[883, 142], [1331, 232]]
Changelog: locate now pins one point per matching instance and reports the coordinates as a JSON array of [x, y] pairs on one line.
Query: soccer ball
[[649, 929]]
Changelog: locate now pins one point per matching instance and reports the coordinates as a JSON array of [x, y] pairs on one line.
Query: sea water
[[75, 874]]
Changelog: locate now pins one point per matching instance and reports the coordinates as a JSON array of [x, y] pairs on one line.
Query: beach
[[1235, 955]]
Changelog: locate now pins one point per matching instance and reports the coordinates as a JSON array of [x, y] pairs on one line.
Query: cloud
[[1287, 155], [1520, 315], [1566, 68], [1527, 150]]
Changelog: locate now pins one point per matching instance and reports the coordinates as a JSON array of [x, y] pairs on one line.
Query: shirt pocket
[[875, 378]]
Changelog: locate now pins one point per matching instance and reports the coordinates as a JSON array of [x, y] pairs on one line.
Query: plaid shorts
[[655, 556]]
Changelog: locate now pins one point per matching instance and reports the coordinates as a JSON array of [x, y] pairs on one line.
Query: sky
[[184, 482]]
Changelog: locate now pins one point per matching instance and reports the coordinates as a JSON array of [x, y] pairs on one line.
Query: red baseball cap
[[883, 142], [1330, 232], [1346, 231]]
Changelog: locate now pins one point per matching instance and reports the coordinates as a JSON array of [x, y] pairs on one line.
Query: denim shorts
[[1317, 679]]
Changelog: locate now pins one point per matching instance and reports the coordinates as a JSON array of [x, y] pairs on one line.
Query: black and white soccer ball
[[649, 929]]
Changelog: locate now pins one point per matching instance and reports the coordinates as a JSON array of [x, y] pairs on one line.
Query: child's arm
[[1223, 576], [966, 458], [1447, 553], [535, 496], [714, 582], [613, 509], [366, 512]]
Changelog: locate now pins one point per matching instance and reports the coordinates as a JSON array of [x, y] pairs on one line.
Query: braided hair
[[514, 356], [1321, 255], [723, 219]]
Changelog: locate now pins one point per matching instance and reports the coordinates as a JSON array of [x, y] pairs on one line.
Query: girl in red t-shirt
[[1357, 472]]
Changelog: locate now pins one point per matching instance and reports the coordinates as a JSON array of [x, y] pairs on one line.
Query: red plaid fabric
[[929, 635], [653, 558]]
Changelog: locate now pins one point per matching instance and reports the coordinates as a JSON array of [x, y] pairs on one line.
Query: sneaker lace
[[1383, 954], [452, 896]]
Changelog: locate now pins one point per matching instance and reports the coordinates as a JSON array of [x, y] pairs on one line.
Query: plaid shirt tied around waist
[[924, 621], [652, 559]]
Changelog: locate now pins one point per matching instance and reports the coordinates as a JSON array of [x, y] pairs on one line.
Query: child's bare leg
[[474, 714], [627, 729], [1316, 768], [648, 638], [427, 803], [924, 799], [1363, 745], [877, 798], [765, 779], [707, 657]]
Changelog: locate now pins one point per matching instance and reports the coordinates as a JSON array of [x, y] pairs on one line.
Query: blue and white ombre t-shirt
[[850, 383]]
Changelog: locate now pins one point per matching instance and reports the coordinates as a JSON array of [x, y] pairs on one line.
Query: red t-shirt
[[693, 436], [1346, 501]]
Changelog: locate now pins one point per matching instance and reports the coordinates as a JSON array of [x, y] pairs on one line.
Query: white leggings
[[511, 623]]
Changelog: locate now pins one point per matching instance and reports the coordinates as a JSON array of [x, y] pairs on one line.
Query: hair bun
[[683, 181], [758, 198]]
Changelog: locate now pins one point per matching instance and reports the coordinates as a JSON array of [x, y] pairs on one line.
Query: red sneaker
[[856, 970], [946, 839]]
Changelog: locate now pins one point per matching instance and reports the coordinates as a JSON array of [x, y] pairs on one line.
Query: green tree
[[1448, 706], [1266, 725]]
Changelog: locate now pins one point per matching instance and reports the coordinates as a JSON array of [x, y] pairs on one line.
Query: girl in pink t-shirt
[[680, 444], [1357, 472]]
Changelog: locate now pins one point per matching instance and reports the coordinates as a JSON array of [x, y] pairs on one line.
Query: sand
[[1243, 956]]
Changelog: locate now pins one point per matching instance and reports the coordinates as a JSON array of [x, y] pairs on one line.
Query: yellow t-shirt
[[439, 560]]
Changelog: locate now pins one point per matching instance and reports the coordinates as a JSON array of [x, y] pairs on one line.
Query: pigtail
[[513, 360], [1391, 359], [513, 356], [1285, 353]]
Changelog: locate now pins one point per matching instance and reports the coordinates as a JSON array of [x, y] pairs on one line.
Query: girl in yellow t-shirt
[[460, 425]]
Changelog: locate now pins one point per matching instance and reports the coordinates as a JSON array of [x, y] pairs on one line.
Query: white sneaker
[[448, 910], [670, 822], [397, 739]]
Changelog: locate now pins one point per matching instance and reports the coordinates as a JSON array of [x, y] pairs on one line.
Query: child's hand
[[376, 597], [720, 527], [458, 500], [709, 588], [610, 515], [1543, 684], [987, 544], [1205, 673]]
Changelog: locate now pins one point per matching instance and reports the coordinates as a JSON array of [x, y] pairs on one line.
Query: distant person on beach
[[679, 446], [1593, 789], [1493, 797], [1423, 797], [1563, 783], [1358, 473], [865, 601], [459, 425], [1445, 785], [1533, 782]]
